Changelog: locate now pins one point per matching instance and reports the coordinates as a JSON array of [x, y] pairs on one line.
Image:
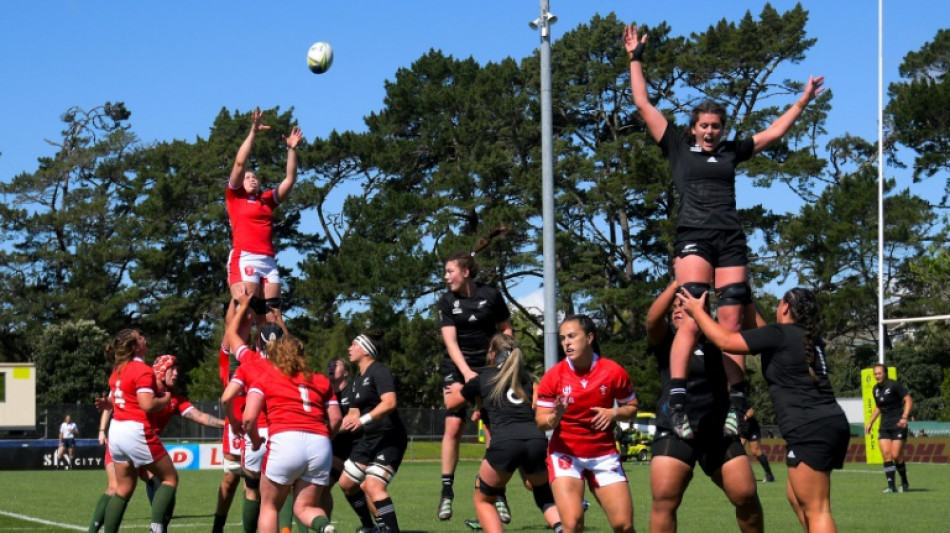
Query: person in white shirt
[[68, 431]]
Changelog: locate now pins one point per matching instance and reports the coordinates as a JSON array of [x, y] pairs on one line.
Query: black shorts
[[822, 444], [720, 248], [710, 450], [452, 375], [385, 449], [750, 430], [891, 433], [510, 454], [69, 443]]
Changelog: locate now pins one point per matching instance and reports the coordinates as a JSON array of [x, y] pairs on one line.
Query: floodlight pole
[[543, 25]]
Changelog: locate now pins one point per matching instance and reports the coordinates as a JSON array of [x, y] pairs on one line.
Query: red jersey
[[295, 404], [599, 386], [177, 405], [252, 217], [124, 386], [253, 366]]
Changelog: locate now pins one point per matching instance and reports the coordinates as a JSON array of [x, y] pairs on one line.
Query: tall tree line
[[108, 233]]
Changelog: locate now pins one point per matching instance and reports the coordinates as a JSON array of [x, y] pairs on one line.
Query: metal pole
[[547, 191], [881, 328]]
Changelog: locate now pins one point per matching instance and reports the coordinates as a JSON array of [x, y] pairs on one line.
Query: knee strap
[[252, 483], [488, 490], [232, 467], [695, 289], [354, 472], [258, 305], [734, 294], [383, 473], [274, 303]]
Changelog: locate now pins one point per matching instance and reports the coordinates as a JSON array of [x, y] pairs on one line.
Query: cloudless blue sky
[[177, 64]]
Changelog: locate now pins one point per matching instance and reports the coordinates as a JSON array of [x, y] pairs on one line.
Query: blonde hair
[[121, 349], [287, 354], [512, 372]]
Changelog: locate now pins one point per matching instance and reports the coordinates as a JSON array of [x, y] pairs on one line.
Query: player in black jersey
[[378, 452], [469, 314], [506, 391], [814, 426], [338, 372], [674, 458], [892, 403], [750, 432], [710, 245]]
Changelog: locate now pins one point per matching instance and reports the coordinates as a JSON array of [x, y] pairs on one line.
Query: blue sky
[[176, 64]]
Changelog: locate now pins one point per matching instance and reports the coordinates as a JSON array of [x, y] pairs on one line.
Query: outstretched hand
[[256, 125], [814, 87], [632, 42], [691, 304], [296, 135]]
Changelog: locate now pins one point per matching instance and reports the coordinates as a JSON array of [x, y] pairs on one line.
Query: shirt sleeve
[[444, 307], [384, 381], [547, 390], [623, 385], [745, 149], [764, 339]]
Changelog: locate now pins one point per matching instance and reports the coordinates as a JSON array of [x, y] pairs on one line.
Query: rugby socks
[[889, 470], [319, 522], [448, 480], [285, 518], [357, 501], [249, 515], [99, 514], [219, 521], [163, 505], [558, 528], [902, 470], [387, 513], [737, 397], [764, 461], [114, 513]]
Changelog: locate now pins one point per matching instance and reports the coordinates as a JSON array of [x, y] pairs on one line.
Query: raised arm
[[634, 45], [205, 419], [292, 140], [244, 152], [232, 335], [656, 315], [782, 124]]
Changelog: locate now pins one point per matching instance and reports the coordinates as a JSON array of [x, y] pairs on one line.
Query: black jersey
[[706, 181], [707, 390], [797, 397], [343, 441], [511, 417], [475, 318], [889, 398], [365, 393]]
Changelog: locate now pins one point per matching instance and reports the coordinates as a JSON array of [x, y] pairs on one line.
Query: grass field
[[50, 501]]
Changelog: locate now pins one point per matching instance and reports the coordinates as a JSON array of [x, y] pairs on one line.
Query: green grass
[[64, 500]]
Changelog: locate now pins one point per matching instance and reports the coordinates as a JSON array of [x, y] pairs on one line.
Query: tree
[[70, 360]]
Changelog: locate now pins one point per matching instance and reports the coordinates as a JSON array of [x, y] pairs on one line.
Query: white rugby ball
[[320, 57]]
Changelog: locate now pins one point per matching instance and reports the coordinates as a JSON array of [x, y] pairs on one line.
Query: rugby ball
[[319, 57]]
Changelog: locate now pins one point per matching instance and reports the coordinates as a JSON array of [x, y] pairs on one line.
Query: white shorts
[[598, 471], [254, 460], [133, 442], [253, 268], [293, 455], [231, 443]]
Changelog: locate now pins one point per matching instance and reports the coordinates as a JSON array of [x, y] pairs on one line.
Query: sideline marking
[[44, 522]]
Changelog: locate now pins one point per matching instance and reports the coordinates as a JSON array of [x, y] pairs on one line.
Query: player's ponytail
[[121, 349], [466, 260], [805, 311]]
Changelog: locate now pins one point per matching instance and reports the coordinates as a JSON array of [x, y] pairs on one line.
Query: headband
[[367, 345]]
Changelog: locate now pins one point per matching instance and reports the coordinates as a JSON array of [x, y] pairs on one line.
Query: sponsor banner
[[185, 456], [873, 451], [32, 456], [917, 450]]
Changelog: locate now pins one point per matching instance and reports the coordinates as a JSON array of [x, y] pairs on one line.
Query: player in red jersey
[[302, 413], [253, 364], [133, 441], [166, 372], [580, 398], [251, 264]]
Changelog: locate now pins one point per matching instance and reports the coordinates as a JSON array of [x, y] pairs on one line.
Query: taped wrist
[[637, 53]]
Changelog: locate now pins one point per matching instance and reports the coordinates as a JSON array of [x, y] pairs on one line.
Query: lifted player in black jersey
[[710, 245]]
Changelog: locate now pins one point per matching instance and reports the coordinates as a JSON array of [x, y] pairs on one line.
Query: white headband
[[367, 345]]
